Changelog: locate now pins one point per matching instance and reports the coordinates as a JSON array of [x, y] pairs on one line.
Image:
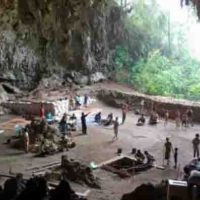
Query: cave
[[83, 79]]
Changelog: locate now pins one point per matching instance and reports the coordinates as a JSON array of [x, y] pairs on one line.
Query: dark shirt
[[176, 156], [141, 120], [189, 113], [83, 120], [85, 99]]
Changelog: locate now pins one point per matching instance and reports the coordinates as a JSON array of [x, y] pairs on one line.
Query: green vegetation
[[156, 59]]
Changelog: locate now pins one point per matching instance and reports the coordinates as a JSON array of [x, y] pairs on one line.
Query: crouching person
[[141, 121]]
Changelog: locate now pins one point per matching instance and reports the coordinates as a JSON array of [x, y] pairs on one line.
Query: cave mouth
[[161, 56]]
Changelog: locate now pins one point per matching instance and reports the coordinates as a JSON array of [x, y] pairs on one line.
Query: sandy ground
[[97, 146]]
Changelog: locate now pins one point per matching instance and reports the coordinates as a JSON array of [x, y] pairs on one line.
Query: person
[[109, 120], [175, 157], [193, 180], [190, 116], [73, 121], [149, 157], [42, 111], [71, 103], [50, 118], [178, 118], [133, 151], [153, 118], [166, 118], [83, 122], [142, 106], [116, 128], [97, 118], [85, 102], [26, 140], [168, 149], [124, 112], [77, 101], [42, 147], [195, 143], [184, 120], [63, 124], [141, 120], [139, 156]]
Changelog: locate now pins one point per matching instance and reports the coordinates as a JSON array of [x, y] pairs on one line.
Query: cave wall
[[71, 38]]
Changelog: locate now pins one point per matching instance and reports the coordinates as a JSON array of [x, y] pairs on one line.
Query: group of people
[[140, 157], [111, 121], [75, 102], [36, 188], [167, 153], [168, 149], [185, 119], [67, 125]]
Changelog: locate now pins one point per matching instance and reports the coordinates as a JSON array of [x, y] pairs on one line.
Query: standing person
[[178, 119], [184, 120], [142, 106], [168, 149], [86, 97], [83, 123], [116, 128], [190, 116], [63, 125], [166, 117], [26, 140], [196, 142], [42, 111], [109, 120], [175, 157], [124, 112], [71, 103], [77, 102]]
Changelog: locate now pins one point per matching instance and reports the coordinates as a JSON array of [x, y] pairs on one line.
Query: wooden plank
[[85, 194], [115, 159], [159, 167], [46, 168], [7, 175], [42, 166]]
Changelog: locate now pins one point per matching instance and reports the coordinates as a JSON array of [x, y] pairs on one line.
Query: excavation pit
[[125, 166]]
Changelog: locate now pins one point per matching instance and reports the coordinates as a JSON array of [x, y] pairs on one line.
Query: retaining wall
[[117, 98]]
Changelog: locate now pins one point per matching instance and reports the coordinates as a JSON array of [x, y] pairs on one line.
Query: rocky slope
[[73, 39]]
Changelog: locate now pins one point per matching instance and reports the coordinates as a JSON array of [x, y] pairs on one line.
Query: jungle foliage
[[155, 59]]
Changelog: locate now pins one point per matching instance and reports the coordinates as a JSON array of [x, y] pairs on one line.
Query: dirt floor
[[97, 146]]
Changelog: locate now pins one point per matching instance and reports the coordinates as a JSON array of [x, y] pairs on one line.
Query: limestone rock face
[[3, 94], [39, 38]]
